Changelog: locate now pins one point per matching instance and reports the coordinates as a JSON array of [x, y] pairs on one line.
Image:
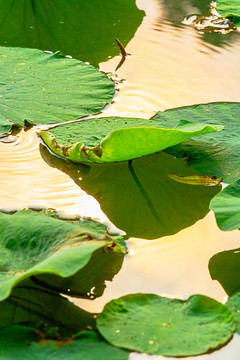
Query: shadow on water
[[138, 196], [85, 30]]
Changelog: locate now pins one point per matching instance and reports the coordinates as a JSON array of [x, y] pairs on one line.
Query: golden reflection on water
[[168, 67], [171, 67]]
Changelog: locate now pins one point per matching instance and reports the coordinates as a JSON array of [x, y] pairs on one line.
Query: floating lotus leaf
[[230, 9], [20, 342], [162, 326], [225, 268], [234, 304], [106, 140], [226, 207], [212, 154], [30, 304], [35, 243], [85, 30], [48, 88], [149, 203]]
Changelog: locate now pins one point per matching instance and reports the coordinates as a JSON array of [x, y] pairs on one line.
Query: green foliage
[[171, 327], [226, 207], [107, 140], [234, 304], [149, 203], [225, 267], [48, 88], [230, 9], [35, 243], [19, 342], [85, 30], [212, 154]]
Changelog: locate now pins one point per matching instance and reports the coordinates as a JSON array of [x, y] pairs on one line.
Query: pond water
[[171, 65]]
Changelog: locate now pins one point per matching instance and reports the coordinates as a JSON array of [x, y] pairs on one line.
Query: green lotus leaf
[[106, 140], [226, 207], [157, 325], [35, 243], [234, 304], [48, 88], [150, 203], [31, 304], [216, 154], [230, 9], [21, 342], [85, 30], [225, 268]]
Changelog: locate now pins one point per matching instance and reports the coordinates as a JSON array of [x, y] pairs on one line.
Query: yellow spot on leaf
[[196, 179]]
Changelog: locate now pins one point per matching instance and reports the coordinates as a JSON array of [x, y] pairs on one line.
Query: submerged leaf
[[36, 243], [83, 29], [106, 140], [225, 268], [214, 154], [20, 342], [171, 327], [48, 88], [138, 196], [226, 207]]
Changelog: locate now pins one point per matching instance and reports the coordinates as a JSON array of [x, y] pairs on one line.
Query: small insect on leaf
[[207, 180]]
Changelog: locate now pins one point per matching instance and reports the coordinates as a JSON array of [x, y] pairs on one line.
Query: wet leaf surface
[[19, 342], [86, 30], [35, 243], [107, 140], [48, 88], [226, 207], [213, 154], [158, 325], [138, 196], [234, 305], [230, 9]]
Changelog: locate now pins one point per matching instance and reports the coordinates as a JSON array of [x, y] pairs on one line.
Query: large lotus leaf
[[85, 30], [34, 243], [20, 342], [149, 203], [212, 154], [48, 88], [32, 304], [226, 207], [171, 327], [234, 304], [230, 9], [225, 268], [106, 140]]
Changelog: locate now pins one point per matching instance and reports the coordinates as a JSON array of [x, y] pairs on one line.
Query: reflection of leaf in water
[[35, 244], [226, 207], [29, 303], [21, 342], [138, 196], [158, 325], [48, 88], [83, 29], [225, 268]]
